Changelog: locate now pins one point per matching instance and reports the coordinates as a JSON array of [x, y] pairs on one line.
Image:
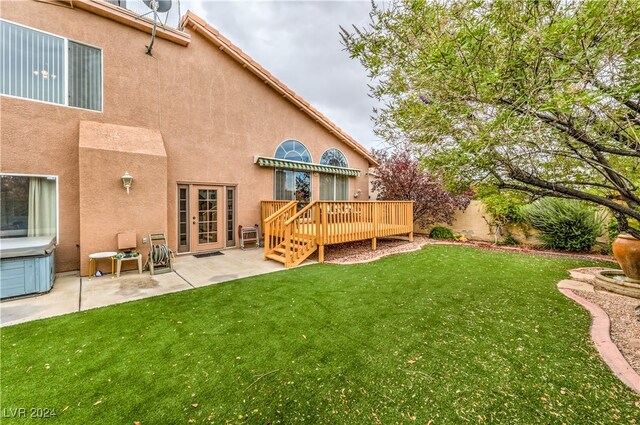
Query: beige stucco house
[[196, 123]]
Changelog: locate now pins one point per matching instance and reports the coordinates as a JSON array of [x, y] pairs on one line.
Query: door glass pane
[[208, 216], [230, 216], [285, 185], [183, 219], [302, 187]]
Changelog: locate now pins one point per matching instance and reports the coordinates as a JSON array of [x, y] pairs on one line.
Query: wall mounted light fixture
[[357, 193], [127, 179]]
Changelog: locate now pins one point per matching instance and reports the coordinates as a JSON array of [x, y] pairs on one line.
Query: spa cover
[[27, 247]]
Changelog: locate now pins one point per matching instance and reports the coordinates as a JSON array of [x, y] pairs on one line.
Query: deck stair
[[292, 236]]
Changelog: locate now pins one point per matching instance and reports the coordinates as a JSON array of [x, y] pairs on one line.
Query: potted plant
[[626, 250]]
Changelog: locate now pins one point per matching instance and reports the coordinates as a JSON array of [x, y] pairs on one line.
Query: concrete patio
[[72, 293]]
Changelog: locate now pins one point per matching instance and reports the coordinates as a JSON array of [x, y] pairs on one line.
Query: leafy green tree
[[539, 96], [503, 209]]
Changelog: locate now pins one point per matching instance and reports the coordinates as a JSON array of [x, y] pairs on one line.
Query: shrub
[[503, 208], [441, 232], [564, 224], [613, 232], [400, 176], [508, 240]]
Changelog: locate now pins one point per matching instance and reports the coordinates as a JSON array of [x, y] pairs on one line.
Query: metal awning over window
[[304, 166]]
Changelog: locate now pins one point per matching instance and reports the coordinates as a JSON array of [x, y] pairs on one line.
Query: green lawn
[[447, 334]]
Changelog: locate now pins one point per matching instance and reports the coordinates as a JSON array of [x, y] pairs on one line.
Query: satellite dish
[[162, 5], [157, 6]]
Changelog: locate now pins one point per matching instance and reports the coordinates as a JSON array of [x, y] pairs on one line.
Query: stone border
[[602, 339]]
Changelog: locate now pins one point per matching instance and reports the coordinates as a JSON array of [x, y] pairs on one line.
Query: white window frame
[[66, 69], [343, 155], [294, 140], [275, 189], [47, 176], [335, 191]]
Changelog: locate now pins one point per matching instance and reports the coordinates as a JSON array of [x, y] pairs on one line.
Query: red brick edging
[[601, 338]]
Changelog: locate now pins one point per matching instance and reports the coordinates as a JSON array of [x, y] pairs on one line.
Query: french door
[[207, 218]]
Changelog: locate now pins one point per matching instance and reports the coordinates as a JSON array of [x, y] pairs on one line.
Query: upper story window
[[293, 150], [44, 67], [334, 157]]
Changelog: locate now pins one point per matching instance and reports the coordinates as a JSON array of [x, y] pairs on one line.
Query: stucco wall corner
[[106, 152]]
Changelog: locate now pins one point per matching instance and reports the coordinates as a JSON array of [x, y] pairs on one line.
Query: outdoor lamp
[[357, 193], [127, 179]]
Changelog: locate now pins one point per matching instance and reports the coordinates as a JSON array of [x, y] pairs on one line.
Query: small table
[[93, 261]]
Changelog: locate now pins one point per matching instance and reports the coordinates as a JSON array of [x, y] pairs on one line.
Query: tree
[[538, 96], [401, 178]]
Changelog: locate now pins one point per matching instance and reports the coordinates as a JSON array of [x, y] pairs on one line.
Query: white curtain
[[334, 187], [326, 187], [42, 207], [342, 188]]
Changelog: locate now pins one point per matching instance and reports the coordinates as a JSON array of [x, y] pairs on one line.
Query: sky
[[299, 43]]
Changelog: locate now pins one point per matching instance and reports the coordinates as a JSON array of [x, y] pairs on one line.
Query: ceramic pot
[[626, 250]]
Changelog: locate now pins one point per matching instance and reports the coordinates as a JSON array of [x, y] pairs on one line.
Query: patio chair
[[127, 245]]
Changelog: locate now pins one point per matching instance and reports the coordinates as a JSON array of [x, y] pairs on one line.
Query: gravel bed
[[625, 322], [361, 252]]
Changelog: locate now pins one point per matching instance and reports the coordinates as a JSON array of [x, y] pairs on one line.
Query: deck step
[[279, 250], [276, 257]]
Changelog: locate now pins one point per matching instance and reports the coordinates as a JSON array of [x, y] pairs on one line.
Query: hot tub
[[27, 265]]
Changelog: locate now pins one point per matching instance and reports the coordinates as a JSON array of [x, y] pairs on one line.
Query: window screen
[[85, 76], [32, 64]]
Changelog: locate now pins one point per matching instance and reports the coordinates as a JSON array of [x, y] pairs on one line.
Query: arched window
[[334, 187], [293, 150], [334, 157], [290, 184]]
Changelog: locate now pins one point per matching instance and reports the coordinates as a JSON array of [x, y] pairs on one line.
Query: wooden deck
[[291, 236]]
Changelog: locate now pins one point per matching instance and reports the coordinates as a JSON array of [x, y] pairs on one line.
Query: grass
[[447, 334]]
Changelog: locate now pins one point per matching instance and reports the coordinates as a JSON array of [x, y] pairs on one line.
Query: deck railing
[[274, 228], [301, 232], [268, 208], [292, 236]]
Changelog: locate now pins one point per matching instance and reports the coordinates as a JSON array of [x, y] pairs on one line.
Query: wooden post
[[376, 219], [374, 244], [410, 219], [287, 246], [321, 254], [267, 239], [318, 218], [325, 226]]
